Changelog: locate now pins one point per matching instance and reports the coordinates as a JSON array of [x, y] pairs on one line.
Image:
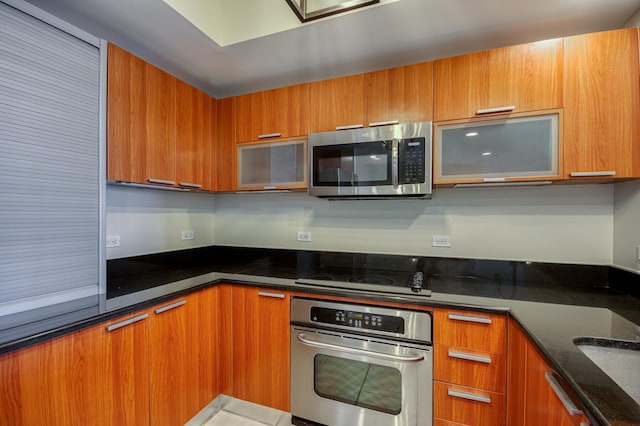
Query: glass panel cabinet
[[275, 165], [520, 147]]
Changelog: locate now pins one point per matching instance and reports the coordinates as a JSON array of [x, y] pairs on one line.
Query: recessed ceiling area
[[392, 34]]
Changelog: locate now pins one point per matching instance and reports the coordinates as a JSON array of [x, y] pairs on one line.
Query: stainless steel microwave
[[376, 162]]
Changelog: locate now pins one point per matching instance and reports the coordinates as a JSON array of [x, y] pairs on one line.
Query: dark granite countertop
[[554, 303]]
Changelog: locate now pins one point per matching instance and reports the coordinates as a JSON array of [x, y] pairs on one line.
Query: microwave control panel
[[412, 161], [356, 319]]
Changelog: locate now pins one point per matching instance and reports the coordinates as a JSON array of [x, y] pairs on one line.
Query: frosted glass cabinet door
[[276, 165], [494, 150]]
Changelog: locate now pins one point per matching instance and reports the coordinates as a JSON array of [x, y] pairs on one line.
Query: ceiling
[[397, 33]]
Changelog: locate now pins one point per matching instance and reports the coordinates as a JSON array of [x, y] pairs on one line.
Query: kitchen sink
[[619, 359]]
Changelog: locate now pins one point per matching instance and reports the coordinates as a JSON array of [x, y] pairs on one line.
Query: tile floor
[[227, 411]]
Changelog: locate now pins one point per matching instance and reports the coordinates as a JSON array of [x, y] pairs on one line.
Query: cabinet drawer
[[468, 406], [475, 331], [470, 368]]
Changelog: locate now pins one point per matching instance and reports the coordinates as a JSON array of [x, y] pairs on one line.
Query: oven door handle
[[382, 355]]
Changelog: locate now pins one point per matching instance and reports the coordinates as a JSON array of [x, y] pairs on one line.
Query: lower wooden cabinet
[[261, 359], [468, 406]]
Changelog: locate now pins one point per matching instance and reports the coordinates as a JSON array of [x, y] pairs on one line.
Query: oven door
[[342, 379]]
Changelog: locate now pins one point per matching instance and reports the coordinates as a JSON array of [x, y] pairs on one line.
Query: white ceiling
[[398, 33]]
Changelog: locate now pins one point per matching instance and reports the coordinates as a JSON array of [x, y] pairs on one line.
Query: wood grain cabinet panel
[[89, 377], [527, 77], [224, 154], [261, 346], [470, 330], [272, 114], [602, 104], [468, 406], [337, 102], [140, 119], [401, 94]]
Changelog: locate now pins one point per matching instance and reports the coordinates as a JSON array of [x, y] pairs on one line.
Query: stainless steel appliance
[[360, 365], [389, 161]]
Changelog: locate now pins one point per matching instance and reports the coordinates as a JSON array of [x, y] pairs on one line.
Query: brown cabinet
[[337, 103], [469, 367], [273, 114], [159, 128], [519, 78], [224, 152], [261, 346], [602, 105], [95, 376]]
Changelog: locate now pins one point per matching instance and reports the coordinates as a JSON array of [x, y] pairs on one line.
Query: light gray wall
[[150, 220], [626, 235], [634, 21], [570, 223]]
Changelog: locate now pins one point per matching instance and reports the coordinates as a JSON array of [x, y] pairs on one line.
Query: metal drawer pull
[[588, 174], [469, 318], [494, 110], [490, 184], [500, 179], [350, 126], [190, 185], [274, 295], [383, 123], [469, 357], [318, 344], [562, 395], [469, 395], [269, 135], [126, 322], [161, 181], [169, 307], [269, 187]]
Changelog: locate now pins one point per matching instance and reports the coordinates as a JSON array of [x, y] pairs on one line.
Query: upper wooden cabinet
[[224, 153], [337, 103], [141, 121], [272, 114], [400, 95], [602, 105], [159, 128], [519, 78]]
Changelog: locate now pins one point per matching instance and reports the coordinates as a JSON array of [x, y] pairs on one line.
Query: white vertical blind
[[49, 163]]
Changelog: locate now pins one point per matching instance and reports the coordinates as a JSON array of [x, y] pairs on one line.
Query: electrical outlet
[[440, 241], [188, 235], [638, 253], [304, 236], [113, 240]]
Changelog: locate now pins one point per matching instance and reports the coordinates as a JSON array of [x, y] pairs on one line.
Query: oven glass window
[[358, 383], [357, 164]]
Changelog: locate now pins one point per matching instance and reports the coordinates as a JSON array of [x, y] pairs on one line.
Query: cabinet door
[[277, 113], [526, 77], [224, 151], [90, 377], [183, 366], [141, 120], [276, 165], [602, 105], [261, 346], [400, 95], [337, 103], [193, 138]]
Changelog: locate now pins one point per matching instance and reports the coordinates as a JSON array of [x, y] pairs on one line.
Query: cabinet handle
[[490, 184], [469, 318], [161, 181], [562, 395], [269, 135], [190, 185], [268, 294], [589, 174], [468, 395], [350, 126], [383, 123], [171, 306], [469, 357], [269, 187], [498, 179], [495, 110], [126, 322]]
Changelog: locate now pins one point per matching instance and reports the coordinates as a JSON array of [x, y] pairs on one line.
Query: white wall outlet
[[638, 253], [304, 236], [440, 241], [188, 235], [113, 240]]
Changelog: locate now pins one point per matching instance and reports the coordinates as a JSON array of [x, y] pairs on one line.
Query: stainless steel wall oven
[[360, 365]]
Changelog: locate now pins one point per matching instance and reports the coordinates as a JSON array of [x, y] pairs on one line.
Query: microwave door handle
[[394, 162]]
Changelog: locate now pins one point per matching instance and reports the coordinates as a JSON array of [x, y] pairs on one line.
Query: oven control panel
[[364, 320]]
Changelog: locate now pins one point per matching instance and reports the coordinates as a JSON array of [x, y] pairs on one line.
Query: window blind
[[49, 164]]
